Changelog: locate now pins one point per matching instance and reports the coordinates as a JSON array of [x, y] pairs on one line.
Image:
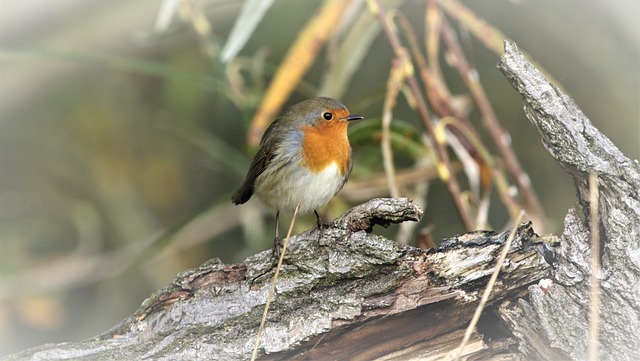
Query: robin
[[304, 157]]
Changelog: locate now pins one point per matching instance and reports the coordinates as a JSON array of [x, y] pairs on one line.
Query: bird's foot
[[276, 250], [321, 225], [273, 261]]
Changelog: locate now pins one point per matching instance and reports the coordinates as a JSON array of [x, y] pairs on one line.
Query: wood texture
[[553, 323], [349, 295]]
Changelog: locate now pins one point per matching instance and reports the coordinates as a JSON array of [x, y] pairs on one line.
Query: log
[[552, 323], [345, 294]]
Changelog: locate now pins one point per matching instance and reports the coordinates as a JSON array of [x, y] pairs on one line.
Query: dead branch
[[348, 294], [552, 324]]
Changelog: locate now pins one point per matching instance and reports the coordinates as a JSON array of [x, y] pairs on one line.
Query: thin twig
[[273, 283], [376, 186], [487, 291], [394, 84], [500, 136], [594, 300], [444, 166], [435, 88], [80, 268], [441, 100], [488, 35]]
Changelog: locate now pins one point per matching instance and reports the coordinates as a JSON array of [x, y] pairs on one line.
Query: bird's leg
[[320, 224], [277, 244]]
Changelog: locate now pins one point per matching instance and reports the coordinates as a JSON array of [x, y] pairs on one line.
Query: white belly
[[312, 190]]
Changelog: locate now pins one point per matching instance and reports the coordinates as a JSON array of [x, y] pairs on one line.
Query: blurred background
[[120, 144]]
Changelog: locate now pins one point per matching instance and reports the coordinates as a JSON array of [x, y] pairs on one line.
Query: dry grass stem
[[273, 283], [487, 291], [394, 84], [594, 300]]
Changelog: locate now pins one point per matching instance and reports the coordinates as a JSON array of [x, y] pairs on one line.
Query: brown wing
[[258, 165]]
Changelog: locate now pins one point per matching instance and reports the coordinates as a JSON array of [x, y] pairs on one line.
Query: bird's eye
[[327, 116]]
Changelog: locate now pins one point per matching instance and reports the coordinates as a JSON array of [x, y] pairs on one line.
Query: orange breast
[[326, 144]]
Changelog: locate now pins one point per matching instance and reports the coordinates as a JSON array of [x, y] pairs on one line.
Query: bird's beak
[[354, 117]]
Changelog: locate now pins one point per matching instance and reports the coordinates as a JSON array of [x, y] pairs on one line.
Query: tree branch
[[349, 294]]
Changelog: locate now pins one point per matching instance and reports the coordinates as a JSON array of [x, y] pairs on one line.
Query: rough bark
[[348, 294], [552, 324]]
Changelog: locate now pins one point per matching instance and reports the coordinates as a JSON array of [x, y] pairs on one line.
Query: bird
[[304, 157]]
